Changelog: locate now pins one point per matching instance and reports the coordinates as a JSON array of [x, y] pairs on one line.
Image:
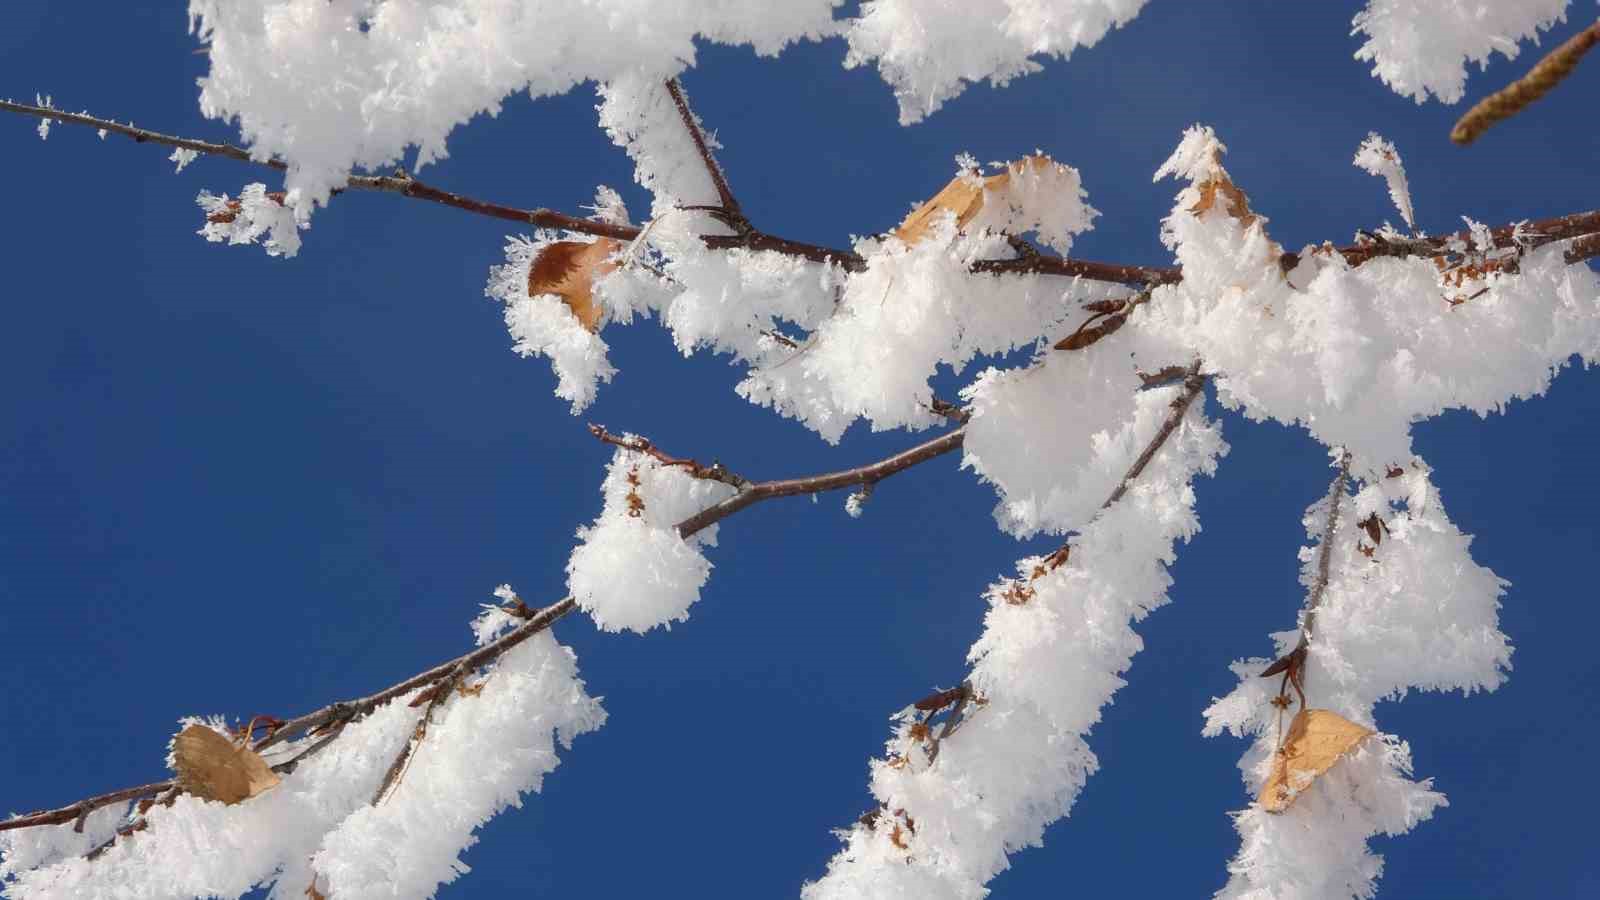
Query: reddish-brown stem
[[1292, 664], [831, 481], [731, 213], [713, 472]]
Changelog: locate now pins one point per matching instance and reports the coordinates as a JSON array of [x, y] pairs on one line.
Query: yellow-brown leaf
[[211, 766], [963, 197], [1238, 205], [569, 270], [1317, 739]]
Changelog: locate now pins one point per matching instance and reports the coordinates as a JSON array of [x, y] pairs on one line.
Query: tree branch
[[730, 213], [1292, 664], [336, 715], [1534, 234]]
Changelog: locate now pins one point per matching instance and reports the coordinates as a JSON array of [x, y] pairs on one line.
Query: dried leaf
[[897, 837], [963, 196], [1317, 739], [1374, 528], [1238, 205], [569, 270], [211, 766], [1085, 336]]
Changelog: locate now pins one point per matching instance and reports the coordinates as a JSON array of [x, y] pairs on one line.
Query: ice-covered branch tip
[[714, 472]]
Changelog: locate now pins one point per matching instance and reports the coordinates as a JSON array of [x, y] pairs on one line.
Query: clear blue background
[[234, 484]]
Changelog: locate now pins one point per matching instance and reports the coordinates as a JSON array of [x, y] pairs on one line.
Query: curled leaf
[[569, 270], [211, 766], [1083, 337], [1317, 739]]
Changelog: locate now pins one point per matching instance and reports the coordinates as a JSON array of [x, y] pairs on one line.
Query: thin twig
[[1193, 384], [1511, 99], [1325, 556], [731, 215], [1292, 664], [714, 472], [831, 481], [83, 807]]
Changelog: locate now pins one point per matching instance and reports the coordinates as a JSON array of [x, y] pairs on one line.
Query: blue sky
[[234, 484]]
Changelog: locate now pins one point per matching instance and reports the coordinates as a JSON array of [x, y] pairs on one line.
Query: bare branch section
[[1531, 234], [862, 476], [729, 213], [333, 717], [714, 472], [1292, 665], [1511, 99]]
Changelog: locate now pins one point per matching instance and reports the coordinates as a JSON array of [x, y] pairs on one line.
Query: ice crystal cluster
[[1356, 352]]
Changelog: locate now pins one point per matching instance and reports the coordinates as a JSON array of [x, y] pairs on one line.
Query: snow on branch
[[1395, 603], [955, 795]]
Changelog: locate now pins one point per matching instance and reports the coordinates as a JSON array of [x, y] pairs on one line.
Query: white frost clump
[[1054, 645], [255, 214], [631, 570], [542, 325], [183, 156], [330, 86], [1359, 353], [1055, 438], [918, 307], [1409, 610], [1421, 47], [480, 754], [1377, 156], [929, 50]]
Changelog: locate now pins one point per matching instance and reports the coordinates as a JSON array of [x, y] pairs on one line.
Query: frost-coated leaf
[[569, 269], [1317, 739]]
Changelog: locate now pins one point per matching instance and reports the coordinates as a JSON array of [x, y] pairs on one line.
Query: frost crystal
[[183, 157], [44, 124], [254, 216], [1379, 157]]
